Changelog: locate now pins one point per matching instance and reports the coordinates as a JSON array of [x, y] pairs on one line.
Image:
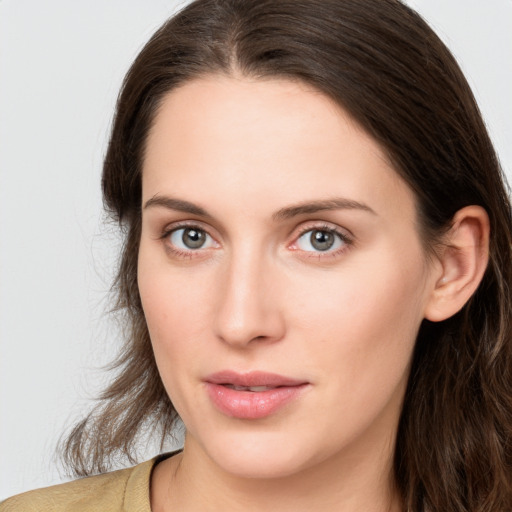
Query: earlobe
[[463, 258]]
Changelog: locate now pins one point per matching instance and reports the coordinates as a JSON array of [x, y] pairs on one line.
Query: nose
[[249, 309]]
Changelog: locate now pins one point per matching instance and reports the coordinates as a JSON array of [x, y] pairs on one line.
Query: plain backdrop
[[61, 65]]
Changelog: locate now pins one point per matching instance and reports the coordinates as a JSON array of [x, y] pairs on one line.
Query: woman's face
[[281, 274]]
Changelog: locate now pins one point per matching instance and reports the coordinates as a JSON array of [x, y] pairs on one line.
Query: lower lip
[[252, 405]]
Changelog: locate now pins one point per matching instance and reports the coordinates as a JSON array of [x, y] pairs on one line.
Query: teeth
[[254, 389], [259, 388]]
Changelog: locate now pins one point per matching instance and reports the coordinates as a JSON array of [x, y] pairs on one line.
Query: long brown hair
[[382, 63]]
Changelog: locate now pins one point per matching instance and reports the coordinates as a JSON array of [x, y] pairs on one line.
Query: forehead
[[277, 139]]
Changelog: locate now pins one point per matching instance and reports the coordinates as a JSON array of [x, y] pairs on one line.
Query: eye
[[321, 240], [190, 239]]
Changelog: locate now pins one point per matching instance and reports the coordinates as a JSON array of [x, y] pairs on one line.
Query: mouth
[[252, 395], [254, 379]]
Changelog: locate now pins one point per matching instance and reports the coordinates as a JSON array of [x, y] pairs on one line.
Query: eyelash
[[346, 240]]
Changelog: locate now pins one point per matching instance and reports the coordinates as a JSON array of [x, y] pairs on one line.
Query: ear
[[463, 259]]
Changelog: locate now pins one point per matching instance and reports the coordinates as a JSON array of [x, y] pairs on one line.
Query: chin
[[259, 465], [261, 456]]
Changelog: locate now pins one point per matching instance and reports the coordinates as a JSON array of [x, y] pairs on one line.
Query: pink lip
[[245, 404]]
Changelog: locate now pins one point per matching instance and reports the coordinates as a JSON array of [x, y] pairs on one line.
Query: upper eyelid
[[323, 225], [303, 227], [174, 226]]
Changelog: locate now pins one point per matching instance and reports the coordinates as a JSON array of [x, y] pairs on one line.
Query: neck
[[345, 483]]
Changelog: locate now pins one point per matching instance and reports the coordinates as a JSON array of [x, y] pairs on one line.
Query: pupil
[[322, 240], [193, 238]]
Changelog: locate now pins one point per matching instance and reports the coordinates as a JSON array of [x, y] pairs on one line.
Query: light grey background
[[61, 65]]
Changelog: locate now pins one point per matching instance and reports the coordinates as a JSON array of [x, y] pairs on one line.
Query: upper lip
[[253, 378]]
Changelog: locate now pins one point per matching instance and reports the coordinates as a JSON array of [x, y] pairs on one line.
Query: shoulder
[[123, 490]]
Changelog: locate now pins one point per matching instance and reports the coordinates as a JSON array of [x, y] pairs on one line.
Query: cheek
[[171, 309], [175, 305], [168, 294], [363, 321], [364, 297]]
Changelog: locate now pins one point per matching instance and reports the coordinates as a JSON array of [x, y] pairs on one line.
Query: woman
[[316, 271]]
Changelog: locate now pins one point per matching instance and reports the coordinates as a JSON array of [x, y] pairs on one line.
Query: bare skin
[[278, 238]]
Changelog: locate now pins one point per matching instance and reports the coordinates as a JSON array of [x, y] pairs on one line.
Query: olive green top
[[126, 490]]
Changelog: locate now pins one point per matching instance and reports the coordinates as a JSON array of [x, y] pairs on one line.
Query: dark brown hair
[[381, 62]]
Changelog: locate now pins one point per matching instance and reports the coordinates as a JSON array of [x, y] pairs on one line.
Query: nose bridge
[[248, 307]]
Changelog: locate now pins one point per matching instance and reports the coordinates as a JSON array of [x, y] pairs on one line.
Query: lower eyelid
[[345, 239]]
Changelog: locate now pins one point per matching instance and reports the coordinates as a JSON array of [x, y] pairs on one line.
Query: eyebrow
[[308, 207], [176, 204], [288, 212]]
